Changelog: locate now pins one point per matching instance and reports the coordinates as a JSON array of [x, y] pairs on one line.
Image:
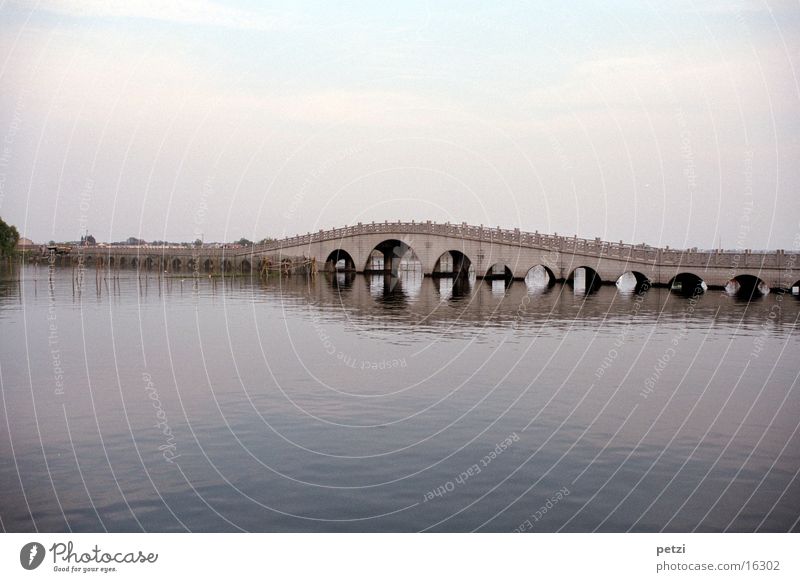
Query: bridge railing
[[154, 250], [553, 242]]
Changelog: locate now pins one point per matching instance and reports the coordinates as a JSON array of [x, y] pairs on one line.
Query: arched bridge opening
[[687, 284], [633, 282], [452, 264], [746, 287], [584, 280], [391, 257], [539, 278], [340, 260], [500, 277]]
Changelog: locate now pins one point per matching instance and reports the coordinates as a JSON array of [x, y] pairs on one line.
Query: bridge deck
[[479, 248]]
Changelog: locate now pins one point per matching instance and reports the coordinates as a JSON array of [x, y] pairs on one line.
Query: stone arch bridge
[[460, 249]]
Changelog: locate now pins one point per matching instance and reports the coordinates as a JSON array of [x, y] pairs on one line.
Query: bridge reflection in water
[[539, 299], [432, 302]]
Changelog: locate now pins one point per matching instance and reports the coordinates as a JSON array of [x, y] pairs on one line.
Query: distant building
[[26, 244], [88, 241]]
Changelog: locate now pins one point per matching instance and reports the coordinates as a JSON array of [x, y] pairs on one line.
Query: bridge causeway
[[457, 249]]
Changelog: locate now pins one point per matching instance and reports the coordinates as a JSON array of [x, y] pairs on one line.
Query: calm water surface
[[361, 404]]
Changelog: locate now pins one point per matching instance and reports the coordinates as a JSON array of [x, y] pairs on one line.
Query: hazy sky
[[662, 122]]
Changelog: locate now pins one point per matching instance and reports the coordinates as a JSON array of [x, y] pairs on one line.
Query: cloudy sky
[[670, 123]]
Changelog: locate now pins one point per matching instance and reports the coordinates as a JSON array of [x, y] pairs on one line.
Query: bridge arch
[[584, 280], [452, 263], [176, 264], [539, 278], [245, 266], [208, 266], [500, 277], [633, 282], [225, 265], [388, 256], [340, 260], [746, 286], [687, 284], [499, 271], [123, 262]]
